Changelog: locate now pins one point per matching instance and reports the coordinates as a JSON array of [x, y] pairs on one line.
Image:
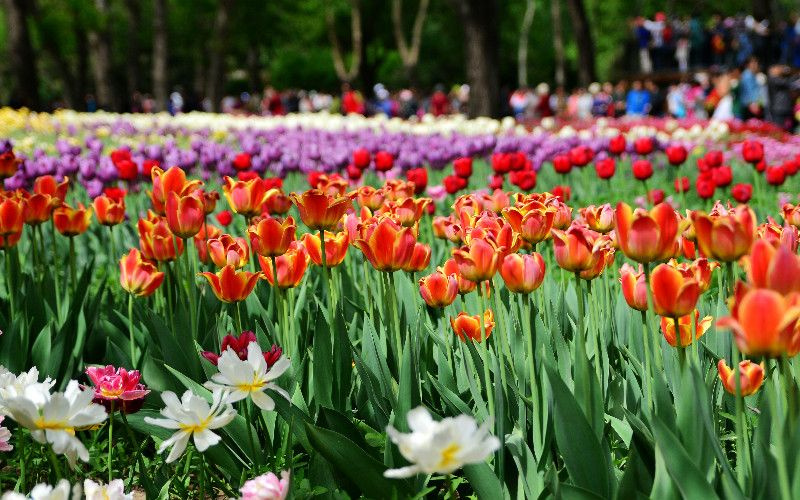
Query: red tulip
[[643, 145], [185, 215], [525, 180], [562, 164], [705, 187], [231, 286], [682, 184], [361, 158], [454, 184], [383, 161], [742, 192], [109, 212], [224, 218], [438, 289], [419, 176], [752, 151], [676, 154], [137, 276], [522, 273], [775, 175], [496, 182], [463, 167], [605, 168], [714, 158], [751, 376], [617, 145], [242, 161], [722, 176], [642, 169]]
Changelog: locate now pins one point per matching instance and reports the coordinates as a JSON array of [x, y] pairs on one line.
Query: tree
[[558, 42], [409, 52], [522, 46], [215, 80], [133, 9], [101, 57], [160, 53], [583, 39], [479, 22], [21, 54], [345, 75]]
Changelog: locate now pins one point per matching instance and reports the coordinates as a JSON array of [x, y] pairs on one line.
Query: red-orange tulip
[[247, 197], [699, 269], [778, 235], [276, 203], [674, 295], [599, 218], [231, 286], [228, 251], [138, 276], [531, 221], [465, 286], [791, 214], [210, 199], [728, 236], [47, 184], [603, 254], [774, 268], [764, 322], [109, 212], [647, 236], [291, 266], [407, 211], [171, 181], [270, 237], [387, 245], [420, 258], [39, 208], [319, 210], [438, 289], [157, 241], [574, 248], [751, 376], [396, 189], [12, 215], [207, 232], [10, 240], [634, 286], [447, 229], [72, 221], [522, 273], [185, 215], [469, 327], [335, 247], [479, 260], [685, 326], [370, 197], [9, 164]]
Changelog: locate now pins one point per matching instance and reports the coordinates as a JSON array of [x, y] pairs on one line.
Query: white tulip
[[54, 418], [12, 386], [115, 490], [193, 417], [440, 447], [43, 491], [249, 377]]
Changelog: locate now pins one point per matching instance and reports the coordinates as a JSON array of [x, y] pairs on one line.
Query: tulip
[[171, 181], [478, 261], [776, 235], [419, 176], [532, 221], [117, 388], [777, 269], [72, 221], [751, 376], [562, 164], [370, 197], [563, 216], [791, 214], [109, 212], [495, 202], [599, 218], [681, 185], [246, 197], [603, 254], [775, 175], [643, 145], [463, 167], [383, 161], [522, 273], [335, 248], [137, 276], [676, 154], [227, 250], [465, 286], [634, 286], [12, 215], [39, 208], [397, 189], [617, 145], [270, 237], [387, 245], [48, 185], [361, 158], [185, 214], [9, 164], [407, 211], [742, 192], [726, 237], [752, 151], [574, 248], [231, 286], [454, 183], [685, 327], [642, 169], [157, 241], [647, 236], [210, 199], [420, 258], [240, 346], [291, 266], [438, 289], [700, 269], [242, 161], [674, 295], [10, 240], [320, 211], [605, 168], [469, 327]]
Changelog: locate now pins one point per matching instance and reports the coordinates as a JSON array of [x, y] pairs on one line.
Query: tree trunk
[[101, 58], [344, 74], [254, 66], [21, 55], [479, 20], [216, 64], [583, 39], [409, 52], [52, 47], [134, 28], [558, 42], [160, 79], [522, 45]]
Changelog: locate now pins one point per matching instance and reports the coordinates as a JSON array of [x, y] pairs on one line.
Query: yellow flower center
[[199, 427], [256, 385], [111, 393], [57, 425], [449, 456]]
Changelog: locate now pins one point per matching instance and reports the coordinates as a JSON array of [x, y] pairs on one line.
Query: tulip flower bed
[[602, 314]]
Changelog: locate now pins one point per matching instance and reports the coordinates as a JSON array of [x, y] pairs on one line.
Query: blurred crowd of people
[[685, 42], [741, 93]]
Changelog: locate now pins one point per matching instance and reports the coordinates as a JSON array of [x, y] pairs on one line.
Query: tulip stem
[[246, 415], [110, 444], [9, 283], [130, 330], [741, 460], [451, 490], [277, 300], [646, 380], [72, 265], [51, 456], [325, 273], [55, 268], [190, 288], [729, 279], [202, 476], [529, 328], [134, 441], [113, 243], [395, 318], [238, 317]]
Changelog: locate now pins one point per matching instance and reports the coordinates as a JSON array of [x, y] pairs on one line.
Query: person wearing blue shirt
[[750, 90], [638, 100]]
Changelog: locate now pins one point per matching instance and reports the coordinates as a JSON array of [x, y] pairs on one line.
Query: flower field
[[313, 306]]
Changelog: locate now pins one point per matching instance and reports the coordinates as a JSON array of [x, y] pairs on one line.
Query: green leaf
[[687, 478], [483, 481]]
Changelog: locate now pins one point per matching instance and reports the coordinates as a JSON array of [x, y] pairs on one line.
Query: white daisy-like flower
[[440, 447], [192, 416], [115, 490], [43, 491], [54, 418], [12, 386], [250, 377]]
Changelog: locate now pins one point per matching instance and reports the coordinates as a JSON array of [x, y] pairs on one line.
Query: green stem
[[134, 441], [110, 445], [51, 456], [130, 330], [394, 317], [55, 267], [72, 265], [238, 317], [246, 414], [325, 273], [9, 283], [486, 373], [646, 376], [451, 490], [529, 329], [202, 476], [190, 285], [112, 261], [740, 448]]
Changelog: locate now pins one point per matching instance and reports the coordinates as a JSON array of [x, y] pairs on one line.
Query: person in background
[[544, 106], [750, 91], [682, 45], [656, 29], [724, 106], [619, 96], [351, 101], [602, 105], [675, 101], [519, 103], [697, 42], [637, 102], [781, 105], [586, 100], [643, 38], [658, 99], [440, 104]]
